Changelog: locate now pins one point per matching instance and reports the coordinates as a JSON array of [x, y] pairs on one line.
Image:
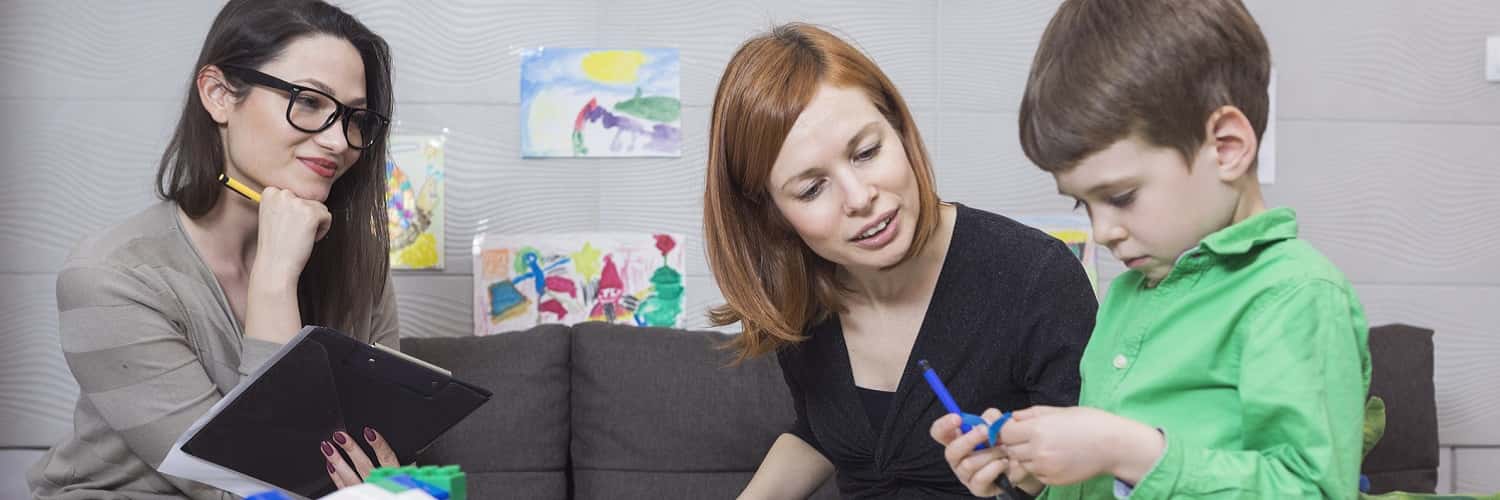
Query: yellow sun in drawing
[[613, 66], [586, 261]]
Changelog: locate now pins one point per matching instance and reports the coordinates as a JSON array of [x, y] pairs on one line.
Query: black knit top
[[1005, 328]]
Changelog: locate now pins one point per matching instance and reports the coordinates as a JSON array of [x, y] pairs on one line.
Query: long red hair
[[773, 284]]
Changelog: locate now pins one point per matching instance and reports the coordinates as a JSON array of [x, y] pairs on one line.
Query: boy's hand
[[1069, 445], [978, 470]]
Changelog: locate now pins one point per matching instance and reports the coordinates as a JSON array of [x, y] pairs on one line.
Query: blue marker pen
[[969, 420], [942, 392]]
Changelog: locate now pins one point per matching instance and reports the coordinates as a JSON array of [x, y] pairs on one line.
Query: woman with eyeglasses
[[164, 313]]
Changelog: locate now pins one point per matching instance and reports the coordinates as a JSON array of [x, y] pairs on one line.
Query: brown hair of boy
[[1106, 70]]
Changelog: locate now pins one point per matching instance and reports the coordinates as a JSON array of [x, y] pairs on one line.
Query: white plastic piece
[[372, 492], [413, 495]]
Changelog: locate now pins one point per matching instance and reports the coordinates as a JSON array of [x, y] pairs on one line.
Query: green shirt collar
[[1267, 227]]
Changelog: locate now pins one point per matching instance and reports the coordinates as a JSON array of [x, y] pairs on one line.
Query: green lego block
[[386, 484], [385, 472], [448, 477]]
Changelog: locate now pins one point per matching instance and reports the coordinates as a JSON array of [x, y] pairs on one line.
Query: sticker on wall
[[600, 103], [521, 281], [1265, 167], [1075, 232], [414, 201]]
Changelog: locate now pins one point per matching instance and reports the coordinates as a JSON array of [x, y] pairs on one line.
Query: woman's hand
[[288, 227], [358, 466]]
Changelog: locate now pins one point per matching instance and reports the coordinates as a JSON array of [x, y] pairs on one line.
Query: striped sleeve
[[132, 361]]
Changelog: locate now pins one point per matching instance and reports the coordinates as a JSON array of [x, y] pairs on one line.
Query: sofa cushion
[[1406, 458], [662, 408], [655, 399], [516, 445]]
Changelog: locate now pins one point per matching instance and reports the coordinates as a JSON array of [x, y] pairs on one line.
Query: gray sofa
[[602, 411]]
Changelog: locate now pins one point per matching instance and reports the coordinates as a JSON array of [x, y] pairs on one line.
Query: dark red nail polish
[[330, 467], [339, 438], [370, 435], [327, 449]]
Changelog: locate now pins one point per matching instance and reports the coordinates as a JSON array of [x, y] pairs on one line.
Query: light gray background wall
[[1388, 138]]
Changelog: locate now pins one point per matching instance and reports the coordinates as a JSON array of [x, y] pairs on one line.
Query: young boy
[[1230, 361]]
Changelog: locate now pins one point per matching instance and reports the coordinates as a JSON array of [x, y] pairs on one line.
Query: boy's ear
[[1234, 143]]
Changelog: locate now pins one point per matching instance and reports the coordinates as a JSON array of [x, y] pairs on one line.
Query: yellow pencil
[[243, 190]]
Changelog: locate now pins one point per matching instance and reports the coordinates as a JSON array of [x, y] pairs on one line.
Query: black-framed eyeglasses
[[311, 110]]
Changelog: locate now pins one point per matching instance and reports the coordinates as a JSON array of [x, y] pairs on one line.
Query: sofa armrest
[[1406, 458]]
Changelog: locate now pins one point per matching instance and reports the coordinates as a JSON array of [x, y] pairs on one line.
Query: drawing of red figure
[[550, 304], [611, 290]]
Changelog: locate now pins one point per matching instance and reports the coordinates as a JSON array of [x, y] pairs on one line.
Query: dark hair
[[347, 270], [1157, 69], [773, 284]]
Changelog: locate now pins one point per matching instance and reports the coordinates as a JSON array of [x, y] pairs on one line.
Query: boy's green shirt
[[1252, 358]]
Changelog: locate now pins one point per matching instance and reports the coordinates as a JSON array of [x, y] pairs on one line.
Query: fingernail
[[370, 435], [330, 466], [339, 437], [327, 449]]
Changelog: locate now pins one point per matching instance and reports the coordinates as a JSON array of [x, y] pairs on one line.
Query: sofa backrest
[[607, 411], [516, 445], [658, 413]]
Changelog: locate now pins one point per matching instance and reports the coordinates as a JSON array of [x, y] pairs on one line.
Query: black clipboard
[[324, 381]]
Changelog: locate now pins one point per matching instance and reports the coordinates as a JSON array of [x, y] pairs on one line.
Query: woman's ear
[[1234, 143], [214, 91]]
